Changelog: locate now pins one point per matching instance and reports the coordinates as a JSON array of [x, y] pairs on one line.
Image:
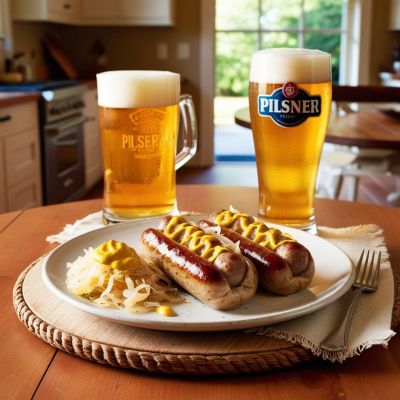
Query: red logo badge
[[289, 90]]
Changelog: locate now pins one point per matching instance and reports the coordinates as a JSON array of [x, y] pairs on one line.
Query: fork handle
[[337, 339]]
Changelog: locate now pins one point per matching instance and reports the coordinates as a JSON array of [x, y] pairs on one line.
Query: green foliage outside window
[[284, 19]]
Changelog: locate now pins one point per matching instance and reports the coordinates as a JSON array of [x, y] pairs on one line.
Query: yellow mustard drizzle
[[261, 233], [194, 238], [116, 254]]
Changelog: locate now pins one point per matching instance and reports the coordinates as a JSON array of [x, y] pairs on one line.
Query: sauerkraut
[[113, 275]]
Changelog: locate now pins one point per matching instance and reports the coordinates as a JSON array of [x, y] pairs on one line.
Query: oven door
[[64, 169]]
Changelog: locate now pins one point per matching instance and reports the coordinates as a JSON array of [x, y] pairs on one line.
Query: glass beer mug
[[290, 94], [139, 123]]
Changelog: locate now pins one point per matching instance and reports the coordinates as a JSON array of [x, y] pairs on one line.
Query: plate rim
[[122, 316]]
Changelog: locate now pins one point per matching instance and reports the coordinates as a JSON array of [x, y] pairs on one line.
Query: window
[[245, 26]]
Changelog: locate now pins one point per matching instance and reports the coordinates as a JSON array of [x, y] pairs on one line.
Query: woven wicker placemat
[[106, 342]]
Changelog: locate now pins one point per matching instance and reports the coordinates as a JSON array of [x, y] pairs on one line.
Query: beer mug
[[290, 93], [139, 123]]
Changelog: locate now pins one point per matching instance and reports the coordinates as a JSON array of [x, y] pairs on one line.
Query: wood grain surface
[[31, 369], [371, 128]]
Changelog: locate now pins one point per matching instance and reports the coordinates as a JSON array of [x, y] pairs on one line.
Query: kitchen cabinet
[[93, 162], [63, 11], [5, 29], [20, 179], [394, 23], [128, 12], [97, 12]]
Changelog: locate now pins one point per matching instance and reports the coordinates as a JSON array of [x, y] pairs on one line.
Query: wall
[[126, 47]]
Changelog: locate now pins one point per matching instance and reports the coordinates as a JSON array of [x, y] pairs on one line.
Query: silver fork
[[366, 280]]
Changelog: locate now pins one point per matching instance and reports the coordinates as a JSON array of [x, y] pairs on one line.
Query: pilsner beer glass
[[290, 94], [139, 120]]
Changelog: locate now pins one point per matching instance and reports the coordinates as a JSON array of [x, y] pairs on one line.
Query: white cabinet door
[[147, 12], [96, 12], [22, 165], [64, 11], [5, 19], [395, 15], [25, 194], [21, 156], [128, 12], [20, 175], [68, 11], [99, 10]]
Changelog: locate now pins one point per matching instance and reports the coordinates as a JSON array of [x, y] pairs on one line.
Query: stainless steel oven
[[61, 135], [63, 159], [63, 165]]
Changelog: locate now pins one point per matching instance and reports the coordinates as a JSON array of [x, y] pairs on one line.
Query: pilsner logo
[[289, 105]]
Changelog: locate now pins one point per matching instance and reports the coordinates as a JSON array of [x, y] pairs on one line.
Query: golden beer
[[139, 120], [289, 102]]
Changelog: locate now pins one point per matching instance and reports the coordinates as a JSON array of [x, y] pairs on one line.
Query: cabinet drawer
[[26, 194], [21, 155], [18, 118]]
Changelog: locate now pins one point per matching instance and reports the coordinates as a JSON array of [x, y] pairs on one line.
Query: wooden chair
[[351, 163]]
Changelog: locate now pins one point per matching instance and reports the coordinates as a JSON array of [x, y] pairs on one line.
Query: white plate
[[333, 277]]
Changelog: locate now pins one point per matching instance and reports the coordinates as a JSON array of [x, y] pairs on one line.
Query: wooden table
[[369, 128], [32, 369]]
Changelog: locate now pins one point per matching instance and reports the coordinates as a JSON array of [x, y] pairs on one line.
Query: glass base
[[109, 218], [306, 226]]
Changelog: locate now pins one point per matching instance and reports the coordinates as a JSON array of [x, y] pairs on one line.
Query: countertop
[[13, 98]]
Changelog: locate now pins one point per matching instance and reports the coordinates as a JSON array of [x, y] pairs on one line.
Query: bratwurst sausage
[[274, 273], [201, 264], [297, 257]]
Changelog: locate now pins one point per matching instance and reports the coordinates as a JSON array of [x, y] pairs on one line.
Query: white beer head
[[280, 65], [134, 89]]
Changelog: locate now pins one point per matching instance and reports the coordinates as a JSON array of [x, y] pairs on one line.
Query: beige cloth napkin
[[371, 323]]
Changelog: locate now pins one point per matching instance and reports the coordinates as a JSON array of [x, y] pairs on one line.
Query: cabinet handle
[[67, 6], [4, 118]]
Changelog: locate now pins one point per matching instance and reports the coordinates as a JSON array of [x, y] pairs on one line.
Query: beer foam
[[280, 65], [132, 89]]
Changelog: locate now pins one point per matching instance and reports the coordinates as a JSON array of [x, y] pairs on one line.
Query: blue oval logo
[[289, 105]]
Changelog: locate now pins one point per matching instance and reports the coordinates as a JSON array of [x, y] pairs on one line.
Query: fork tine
[[368, 280], [358, 267], [378, 270], [364, 269]]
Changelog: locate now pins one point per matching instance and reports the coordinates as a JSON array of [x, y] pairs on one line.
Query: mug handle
[[190, 131]]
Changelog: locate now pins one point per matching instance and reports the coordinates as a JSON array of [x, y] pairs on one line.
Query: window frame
[[302, 31]]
